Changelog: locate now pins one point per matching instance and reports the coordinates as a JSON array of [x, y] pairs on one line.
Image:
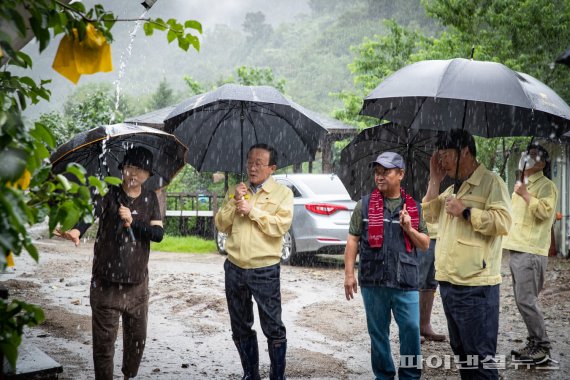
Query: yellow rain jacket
[[74, 57], [532, 222], [469, 252], [255, 240]]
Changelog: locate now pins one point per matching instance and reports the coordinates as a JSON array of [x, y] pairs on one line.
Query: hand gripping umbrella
[[101, 150], [220, 126]]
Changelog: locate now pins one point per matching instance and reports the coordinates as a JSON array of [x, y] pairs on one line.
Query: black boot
[[249, 355], [277, 351]]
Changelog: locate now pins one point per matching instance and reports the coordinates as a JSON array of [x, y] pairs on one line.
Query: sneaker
[[523, 350], [537, 354]]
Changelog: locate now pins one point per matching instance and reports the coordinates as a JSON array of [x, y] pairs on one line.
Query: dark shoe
[[523, 350], [277, 352], [422, 339], [537, 355], [249, 355], [426, 305]]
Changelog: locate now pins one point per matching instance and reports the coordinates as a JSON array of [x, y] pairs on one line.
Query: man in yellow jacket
[[256, 216], [534, 210], [468, 251]]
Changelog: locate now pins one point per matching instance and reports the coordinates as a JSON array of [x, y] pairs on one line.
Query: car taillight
[[324, 208]]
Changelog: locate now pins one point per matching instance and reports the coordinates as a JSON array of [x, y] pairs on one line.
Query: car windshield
[[325, 185]]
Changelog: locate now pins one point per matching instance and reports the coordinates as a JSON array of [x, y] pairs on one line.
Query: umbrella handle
[[131, 234]]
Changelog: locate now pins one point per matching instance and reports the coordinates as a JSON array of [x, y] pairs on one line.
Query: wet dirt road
[[189, 335]]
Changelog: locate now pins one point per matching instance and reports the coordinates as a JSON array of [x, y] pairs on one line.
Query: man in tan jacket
[[256, 216], [472, 220], [534, 209]]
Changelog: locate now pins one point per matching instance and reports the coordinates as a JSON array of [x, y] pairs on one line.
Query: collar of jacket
[[474, 179], [269, 184], [536, 176]]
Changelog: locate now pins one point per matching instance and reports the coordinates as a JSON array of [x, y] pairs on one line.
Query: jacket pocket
[[266, 204], [407, 271], [467, 259], [371, 267]]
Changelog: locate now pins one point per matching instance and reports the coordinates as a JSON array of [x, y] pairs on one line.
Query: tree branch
[[116, 19]]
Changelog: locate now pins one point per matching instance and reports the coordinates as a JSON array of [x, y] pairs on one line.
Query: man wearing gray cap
[[387, 229]]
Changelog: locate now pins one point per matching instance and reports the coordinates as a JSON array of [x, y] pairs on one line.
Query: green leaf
[[33, 251], [68, 215], [18, 21], [113, 181], [183, 44], [193, 24], [171, 36], [84, 193], [22, 99], [159, 24], [194, 41], [148, 28], [64, 182], [78, 6], [41, 133], [77, 170], [13, 163]]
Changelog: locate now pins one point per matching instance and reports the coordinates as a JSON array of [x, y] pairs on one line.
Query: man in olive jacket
[[534, 210], [256, 216], [468, 251]]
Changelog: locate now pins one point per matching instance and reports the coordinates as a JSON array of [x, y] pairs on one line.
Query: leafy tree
[[262, 76], [55, 123], [194, 86], [324, 6], [255, 27], [29, 192], [162, 97], [515, 33], [376, 59], [525, 35], [90, 106]]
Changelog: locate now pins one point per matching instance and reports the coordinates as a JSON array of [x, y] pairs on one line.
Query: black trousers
[[472, 314], [264, 285]]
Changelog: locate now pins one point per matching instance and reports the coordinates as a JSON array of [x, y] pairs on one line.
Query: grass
[[184, 244]]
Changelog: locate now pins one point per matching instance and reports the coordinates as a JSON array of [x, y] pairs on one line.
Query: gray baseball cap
[[389, 160]]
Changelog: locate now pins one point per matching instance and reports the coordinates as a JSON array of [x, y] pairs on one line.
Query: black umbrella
[[485, 98], [101, 150], [220, 126], [415, 146], [564, 58]]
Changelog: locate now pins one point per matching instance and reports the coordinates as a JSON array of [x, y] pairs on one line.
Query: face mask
[[525, 158]]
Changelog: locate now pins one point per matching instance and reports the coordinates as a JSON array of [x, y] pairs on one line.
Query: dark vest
[[390, 265]]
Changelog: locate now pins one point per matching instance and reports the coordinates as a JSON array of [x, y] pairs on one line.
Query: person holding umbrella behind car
[[468, 255], [387, 229], [534, 209], [129, 219], [256, 217]]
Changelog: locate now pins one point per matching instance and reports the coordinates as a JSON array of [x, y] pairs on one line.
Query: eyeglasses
[[256, 164], [382, 172]]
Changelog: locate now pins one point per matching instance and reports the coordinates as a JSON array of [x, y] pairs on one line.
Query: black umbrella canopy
[[485, 98], [415, 146], [564, 58], [220, 126], [101, 150]]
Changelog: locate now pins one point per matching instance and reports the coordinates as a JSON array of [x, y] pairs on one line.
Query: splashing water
[[123, 65]]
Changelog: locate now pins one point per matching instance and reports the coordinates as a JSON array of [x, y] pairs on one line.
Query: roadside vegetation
[[184, 244]]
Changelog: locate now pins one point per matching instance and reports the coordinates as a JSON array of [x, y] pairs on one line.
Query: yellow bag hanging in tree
[[74, 57]]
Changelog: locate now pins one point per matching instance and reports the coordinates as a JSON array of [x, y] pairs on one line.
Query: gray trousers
[[528, 271]]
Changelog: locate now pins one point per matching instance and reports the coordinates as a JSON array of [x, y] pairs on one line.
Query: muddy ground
[[189, 335]]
